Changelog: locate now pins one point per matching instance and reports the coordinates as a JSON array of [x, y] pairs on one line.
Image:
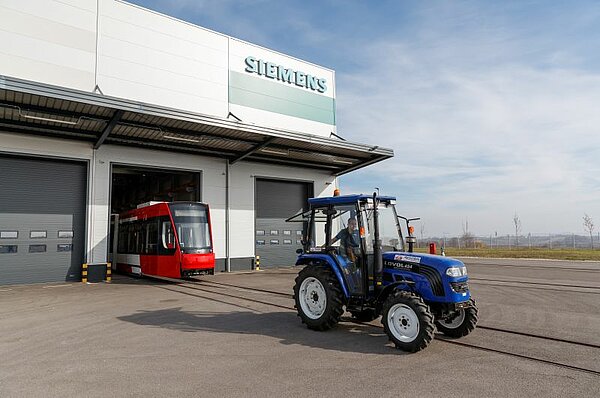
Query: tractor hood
[[440, 263]]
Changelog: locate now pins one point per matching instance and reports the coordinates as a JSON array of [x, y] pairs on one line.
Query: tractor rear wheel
[[461, 324], [407, 321], [318, 297]]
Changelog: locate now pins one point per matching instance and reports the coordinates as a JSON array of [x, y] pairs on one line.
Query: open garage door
[[277, 240], [132, 186], [42, 219]]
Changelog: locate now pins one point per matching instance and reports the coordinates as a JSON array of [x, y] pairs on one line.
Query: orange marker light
[[411, 230], [362, 232]]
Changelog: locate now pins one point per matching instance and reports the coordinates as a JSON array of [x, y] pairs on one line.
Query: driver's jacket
[[348, 241]]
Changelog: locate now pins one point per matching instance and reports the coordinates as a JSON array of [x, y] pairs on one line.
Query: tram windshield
[[193, 229]]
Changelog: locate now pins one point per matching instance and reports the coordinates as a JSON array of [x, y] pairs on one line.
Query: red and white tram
[[166, 239]]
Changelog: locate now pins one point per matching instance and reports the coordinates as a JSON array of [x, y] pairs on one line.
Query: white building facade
[[104, 104]]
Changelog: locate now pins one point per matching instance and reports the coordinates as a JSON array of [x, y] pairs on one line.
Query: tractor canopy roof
[[345, 199]]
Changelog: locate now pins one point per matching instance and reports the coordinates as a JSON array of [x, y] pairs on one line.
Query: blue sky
[[492, 107]]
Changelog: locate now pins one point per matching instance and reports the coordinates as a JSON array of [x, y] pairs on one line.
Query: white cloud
[[492, 140]]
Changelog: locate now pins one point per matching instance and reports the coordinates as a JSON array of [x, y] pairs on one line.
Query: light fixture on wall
[[275, 152], [341, 161], [172, 137]]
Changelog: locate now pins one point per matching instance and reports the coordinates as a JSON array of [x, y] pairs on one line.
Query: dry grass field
[[524, 252]]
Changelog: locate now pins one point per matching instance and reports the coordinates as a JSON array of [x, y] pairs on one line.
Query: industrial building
[[105, 105]]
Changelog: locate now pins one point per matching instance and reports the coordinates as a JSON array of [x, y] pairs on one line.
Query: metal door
[[276, 240], [42, 219]]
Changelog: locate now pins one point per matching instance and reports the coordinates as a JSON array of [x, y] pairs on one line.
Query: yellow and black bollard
[[108, 272], [84, 273], [257, 263]]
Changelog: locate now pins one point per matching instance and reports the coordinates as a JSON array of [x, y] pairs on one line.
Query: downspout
[[227, 228]]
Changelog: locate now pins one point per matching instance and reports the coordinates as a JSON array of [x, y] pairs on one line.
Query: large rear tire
[[460, 325], [318, 297], [407, 321]]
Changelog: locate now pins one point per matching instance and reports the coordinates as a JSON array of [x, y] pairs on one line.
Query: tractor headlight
[[456, 272]]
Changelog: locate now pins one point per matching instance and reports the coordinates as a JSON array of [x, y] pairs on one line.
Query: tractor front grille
[[460, 287], [434, 278]]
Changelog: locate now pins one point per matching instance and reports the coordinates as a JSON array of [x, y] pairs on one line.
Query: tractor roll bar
[[377, 251]]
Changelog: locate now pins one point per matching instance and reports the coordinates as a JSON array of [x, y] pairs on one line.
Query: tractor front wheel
[[318, 297], [407, 321], [461, 323]]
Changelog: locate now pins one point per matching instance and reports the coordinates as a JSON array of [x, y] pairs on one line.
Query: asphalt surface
[[222, 336]]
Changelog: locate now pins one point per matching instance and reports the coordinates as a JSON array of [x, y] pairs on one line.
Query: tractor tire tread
[[422, 309], [471, 318], [335, 303]]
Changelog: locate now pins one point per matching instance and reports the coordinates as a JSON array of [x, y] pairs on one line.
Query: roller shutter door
[[277, 240], [42, 219]]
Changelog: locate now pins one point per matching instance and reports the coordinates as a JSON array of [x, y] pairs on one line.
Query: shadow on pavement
[[285, 326]]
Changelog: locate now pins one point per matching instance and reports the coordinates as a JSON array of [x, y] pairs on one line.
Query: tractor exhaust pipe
[[377, 252]]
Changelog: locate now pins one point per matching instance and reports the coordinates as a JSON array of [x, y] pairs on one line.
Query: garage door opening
[[132, 186]]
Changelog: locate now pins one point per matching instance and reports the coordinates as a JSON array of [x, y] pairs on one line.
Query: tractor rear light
[[362, 232], [411, 230]]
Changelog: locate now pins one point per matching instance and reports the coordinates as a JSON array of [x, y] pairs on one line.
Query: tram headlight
[[456, 272]]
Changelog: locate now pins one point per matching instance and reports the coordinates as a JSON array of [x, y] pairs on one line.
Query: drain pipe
[[227, 228]]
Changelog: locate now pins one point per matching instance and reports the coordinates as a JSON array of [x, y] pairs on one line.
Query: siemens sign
[[273, 71]]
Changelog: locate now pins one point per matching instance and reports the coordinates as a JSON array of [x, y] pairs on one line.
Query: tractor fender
[[326, 260], [401, 285]]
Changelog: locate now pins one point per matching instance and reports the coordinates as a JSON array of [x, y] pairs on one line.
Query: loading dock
[[134, 185]]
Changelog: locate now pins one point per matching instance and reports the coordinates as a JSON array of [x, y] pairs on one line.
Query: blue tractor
[[354, 258]]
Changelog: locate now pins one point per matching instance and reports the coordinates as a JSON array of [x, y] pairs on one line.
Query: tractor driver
[[349, 240]]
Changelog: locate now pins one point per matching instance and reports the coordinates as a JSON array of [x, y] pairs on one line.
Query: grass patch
[[522, 252]]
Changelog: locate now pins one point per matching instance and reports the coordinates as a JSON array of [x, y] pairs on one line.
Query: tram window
[[123, 232], [152, 237], [141, 241], [167, 237], [131, 238]]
